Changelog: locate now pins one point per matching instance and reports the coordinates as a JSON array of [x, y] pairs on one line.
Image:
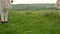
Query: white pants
[[59, 13], [4, 15]]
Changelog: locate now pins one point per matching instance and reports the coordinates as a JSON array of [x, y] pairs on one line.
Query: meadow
[[32, 22]]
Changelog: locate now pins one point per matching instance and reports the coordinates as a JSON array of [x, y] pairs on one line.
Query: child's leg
[[59, 13], [6, 15], [2, 15]]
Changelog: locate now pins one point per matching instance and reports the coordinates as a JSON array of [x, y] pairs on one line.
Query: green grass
[[32, 22]]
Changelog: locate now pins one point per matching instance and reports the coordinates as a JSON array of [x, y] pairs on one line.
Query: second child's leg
[[6, 15]]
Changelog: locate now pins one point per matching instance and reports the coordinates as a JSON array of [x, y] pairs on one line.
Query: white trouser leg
[[6, 15], [59, 13], [2, 15]]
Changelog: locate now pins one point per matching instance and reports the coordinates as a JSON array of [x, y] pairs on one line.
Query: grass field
[[32, 22]]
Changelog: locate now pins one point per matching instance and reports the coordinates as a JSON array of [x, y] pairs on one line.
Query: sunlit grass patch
[[32, 22]]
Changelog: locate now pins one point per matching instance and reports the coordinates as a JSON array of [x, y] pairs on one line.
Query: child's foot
[[6, 21], [2, 21]]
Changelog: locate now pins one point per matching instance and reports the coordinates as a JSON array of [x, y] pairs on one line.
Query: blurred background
[[34, 4]]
